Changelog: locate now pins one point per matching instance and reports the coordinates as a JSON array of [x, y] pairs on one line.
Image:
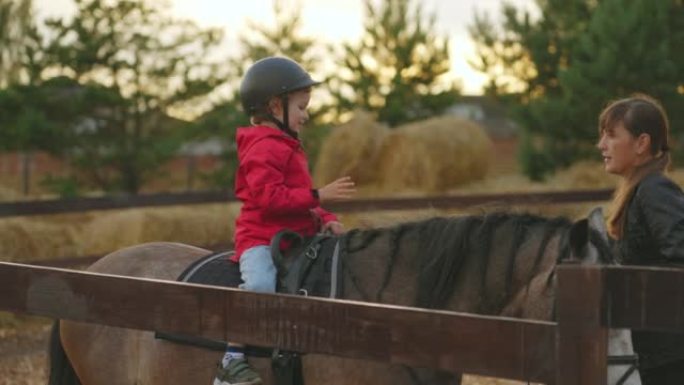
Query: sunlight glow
[[331, 22]]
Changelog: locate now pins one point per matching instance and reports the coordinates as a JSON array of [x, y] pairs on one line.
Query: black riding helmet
[[272, 77]]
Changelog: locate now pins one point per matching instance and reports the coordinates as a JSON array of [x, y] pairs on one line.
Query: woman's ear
[[643, 144]]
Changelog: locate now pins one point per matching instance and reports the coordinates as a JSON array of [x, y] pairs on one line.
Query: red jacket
[[275, 187]]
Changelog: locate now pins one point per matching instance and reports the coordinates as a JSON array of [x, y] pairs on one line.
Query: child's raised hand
[[340, 189]]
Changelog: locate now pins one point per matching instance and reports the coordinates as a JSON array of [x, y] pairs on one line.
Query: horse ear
[[579, 238]]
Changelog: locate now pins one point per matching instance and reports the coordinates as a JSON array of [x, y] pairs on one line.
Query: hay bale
[[99, 233], [7, 194], [583, 175], [434, 155], [210, 224], [351, 150], [25, 239]]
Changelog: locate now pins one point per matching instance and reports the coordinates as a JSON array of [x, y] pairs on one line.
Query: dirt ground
[[23, 355]]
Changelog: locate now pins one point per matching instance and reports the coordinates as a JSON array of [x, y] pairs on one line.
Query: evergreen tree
[[145, 65], [526, 54], [398, 68], [578, 56], [17, 29], [284, 38]]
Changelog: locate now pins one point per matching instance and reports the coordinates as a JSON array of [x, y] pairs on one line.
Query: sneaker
[[237, 372]]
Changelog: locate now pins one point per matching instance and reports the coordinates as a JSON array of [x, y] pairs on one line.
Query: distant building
[[488, 113], [502, 130]]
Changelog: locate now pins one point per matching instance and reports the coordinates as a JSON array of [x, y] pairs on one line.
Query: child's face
[[298, 104]]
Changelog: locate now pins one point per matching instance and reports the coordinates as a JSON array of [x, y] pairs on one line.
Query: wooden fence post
[[582, 340]]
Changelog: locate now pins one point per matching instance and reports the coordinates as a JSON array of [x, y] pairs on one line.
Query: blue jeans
[[257, 270]]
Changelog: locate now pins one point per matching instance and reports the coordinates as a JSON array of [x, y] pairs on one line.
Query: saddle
[[308, 267]]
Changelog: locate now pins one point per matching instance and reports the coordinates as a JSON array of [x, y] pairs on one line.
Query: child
[[274, 184]]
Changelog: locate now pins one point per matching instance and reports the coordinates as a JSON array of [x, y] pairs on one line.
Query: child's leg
[[257, 270], [258, 274]]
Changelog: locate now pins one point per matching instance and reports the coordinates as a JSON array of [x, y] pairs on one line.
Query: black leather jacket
[[654, 236]]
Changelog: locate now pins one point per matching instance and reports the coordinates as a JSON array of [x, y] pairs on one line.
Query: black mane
[[444, 242]]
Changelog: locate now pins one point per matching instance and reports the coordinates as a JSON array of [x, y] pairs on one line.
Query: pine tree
[[16, 30], [627, 48], [141, 64], [525, 54], [576, 57], [398, 69]]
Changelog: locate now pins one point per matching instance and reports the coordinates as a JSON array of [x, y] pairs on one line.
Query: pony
[[493, 264]]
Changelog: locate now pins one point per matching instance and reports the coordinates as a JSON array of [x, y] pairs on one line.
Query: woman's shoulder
[[657, 185], [658, 179]]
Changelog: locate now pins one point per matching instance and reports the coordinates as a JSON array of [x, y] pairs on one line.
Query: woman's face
[[621, 151]]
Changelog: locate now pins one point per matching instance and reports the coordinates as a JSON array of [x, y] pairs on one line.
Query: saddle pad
[[214, 269]]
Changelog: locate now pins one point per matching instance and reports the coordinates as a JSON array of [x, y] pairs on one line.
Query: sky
[[333, 21]]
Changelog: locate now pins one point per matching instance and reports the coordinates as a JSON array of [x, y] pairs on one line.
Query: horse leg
[[100, 355], [61, 370]]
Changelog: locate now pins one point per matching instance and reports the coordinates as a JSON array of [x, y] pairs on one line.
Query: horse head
[[589, 241]]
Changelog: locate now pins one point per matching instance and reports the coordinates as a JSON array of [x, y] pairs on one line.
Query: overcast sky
[[331, 20]]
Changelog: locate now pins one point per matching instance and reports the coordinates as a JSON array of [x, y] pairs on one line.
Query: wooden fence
[[590, 299], [168, 199], [47, 207]]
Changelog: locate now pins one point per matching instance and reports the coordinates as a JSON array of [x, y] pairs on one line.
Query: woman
[[647, 217]]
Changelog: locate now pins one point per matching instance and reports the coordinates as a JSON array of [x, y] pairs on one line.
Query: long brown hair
[[640, 114]]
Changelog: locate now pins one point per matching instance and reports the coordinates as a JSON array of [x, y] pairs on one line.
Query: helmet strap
[[282, 125], [285, 101]]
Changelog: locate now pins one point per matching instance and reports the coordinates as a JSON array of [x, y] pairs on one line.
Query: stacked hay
[[99, 233], [24, 239], [8, 194], [351, 150], [212, 224], [583, 175], [433, 155]]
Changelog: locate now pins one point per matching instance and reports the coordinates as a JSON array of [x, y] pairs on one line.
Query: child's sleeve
[[264, 167], [326, 216]]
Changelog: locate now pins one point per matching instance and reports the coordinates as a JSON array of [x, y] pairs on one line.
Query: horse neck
[[379, 267], [475, 264]]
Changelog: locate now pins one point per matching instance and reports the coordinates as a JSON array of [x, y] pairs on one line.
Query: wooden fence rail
[[169, 199], [593, 299], [501, 347], [589, 300]]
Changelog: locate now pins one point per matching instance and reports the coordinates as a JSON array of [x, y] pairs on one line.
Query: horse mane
[[444, 243]]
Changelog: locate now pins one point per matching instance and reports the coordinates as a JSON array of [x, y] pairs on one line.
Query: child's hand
[[335, 227], [340, 189]]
